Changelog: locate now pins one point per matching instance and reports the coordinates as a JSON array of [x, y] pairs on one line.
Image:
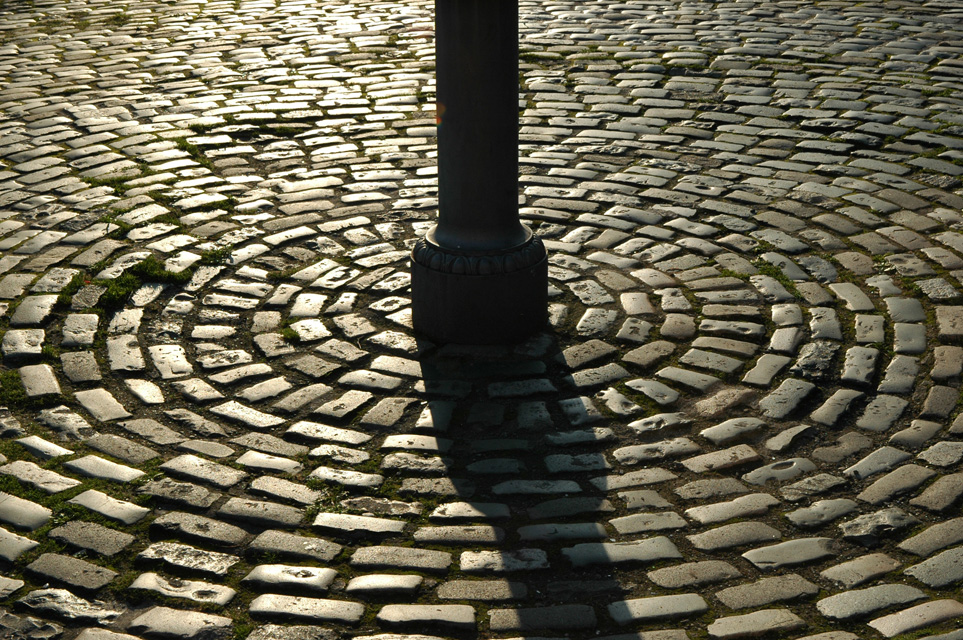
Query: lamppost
[[479, 276]]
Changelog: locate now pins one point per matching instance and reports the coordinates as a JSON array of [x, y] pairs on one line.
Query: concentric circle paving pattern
[[742, 421]]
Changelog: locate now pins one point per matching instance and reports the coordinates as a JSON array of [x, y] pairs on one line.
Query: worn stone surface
[[657, 608], [64, 605], [274, 576], [863, 602], [755, 624], [91, 536], [75, 573], [182, 556], [300, 608], [459, 617], [766, 591], [193, 590], [165, 621], [922, 615], [861, 570], [562, 617]]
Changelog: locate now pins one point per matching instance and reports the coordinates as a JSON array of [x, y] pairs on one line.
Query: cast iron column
[[479, 276]]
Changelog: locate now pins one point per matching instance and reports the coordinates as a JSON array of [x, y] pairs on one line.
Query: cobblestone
[[751, 215]]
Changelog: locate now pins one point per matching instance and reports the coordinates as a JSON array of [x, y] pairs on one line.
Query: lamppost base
[[491, 298]]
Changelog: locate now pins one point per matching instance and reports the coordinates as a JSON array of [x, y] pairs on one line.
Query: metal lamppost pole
[[479, 276]]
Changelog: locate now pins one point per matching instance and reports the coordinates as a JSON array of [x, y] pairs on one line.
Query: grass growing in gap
[[120, 289], [153, 270], [215, 256], [12, 393]]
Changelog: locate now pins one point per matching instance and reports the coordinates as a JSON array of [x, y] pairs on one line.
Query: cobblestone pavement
[[743, 420]]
